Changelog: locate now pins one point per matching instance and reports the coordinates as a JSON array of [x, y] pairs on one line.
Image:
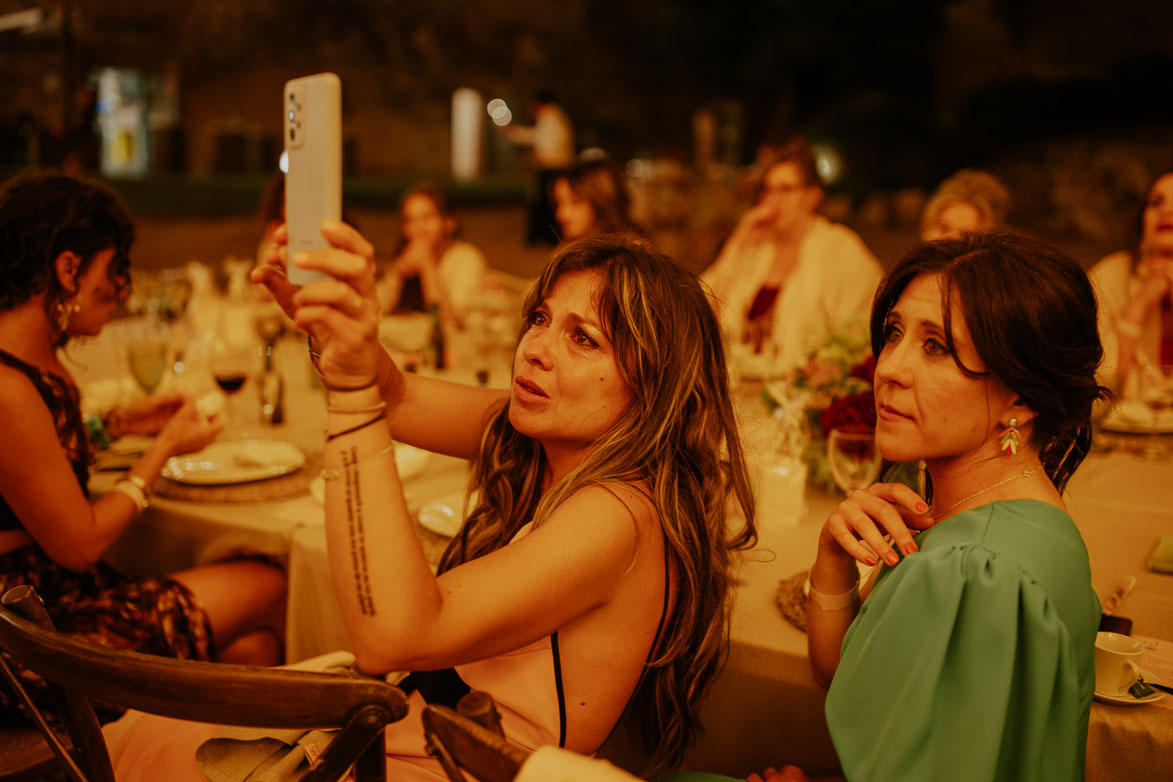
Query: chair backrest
[[473, 743], [190, 690]]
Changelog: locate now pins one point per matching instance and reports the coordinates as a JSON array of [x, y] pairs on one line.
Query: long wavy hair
[[1032, 314], [678, 437]]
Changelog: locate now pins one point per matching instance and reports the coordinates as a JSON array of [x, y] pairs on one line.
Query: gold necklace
[[1023, 474]]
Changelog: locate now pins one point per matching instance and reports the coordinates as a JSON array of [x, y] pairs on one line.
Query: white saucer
[[1127, 700], [442, 517]]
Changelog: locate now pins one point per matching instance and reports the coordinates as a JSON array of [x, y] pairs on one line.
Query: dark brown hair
[[43, 215], [1032, 314]]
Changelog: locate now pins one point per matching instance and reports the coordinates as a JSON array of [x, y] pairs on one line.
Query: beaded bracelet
[[834, 602], [333, 475]]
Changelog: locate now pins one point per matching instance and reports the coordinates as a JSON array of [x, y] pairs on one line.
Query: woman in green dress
[[972, 656]]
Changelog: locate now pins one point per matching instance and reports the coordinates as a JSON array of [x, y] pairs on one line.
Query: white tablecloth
[[764, 708]]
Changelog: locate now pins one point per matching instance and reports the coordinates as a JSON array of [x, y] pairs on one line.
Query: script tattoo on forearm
[[359, 562]]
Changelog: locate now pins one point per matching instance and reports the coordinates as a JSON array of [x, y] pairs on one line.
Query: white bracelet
[[1128, 328], [134, 493], [333, 475], [834, 602]]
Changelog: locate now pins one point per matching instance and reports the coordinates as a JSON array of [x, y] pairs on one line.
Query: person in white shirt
[[786, 273], [552, 139]]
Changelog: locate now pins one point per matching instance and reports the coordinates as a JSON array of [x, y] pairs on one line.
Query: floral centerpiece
[[834, 389]]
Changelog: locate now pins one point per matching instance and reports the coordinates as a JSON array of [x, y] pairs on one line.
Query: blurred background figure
[[591, 198], [786, 272], [1134, 288], [552, 139], [432, 268], [968, 201]]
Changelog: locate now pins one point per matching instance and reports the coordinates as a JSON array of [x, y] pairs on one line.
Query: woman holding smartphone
[[592, 576]]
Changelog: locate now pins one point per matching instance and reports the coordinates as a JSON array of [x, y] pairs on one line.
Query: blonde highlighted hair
[[678, 437]]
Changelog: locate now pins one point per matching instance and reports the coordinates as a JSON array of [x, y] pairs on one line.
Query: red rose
[[865, 370], [857, 411]]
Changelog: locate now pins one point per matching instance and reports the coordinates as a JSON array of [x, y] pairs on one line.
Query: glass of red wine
[[232, 365]]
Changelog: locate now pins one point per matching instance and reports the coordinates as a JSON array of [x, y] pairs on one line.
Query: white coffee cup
[[1116, 662]]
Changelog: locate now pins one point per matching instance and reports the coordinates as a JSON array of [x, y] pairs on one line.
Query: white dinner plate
[[1134, 417], [1127, 700], [235, 461], [409, 461]]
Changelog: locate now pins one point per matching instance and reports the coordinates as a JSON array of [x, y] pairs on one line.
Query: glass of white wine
[[147, 359], [853, 458]]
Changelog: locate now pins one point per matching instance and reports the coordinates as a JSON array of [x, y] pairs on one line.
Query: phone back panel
[[313, 145]]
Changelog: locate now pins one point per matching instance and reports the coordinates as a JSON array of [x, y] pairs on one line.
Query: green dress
[[973, 659]]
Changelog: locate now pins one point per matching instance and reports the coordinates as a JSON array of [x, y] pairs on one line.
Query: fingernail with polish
[[921, 507], [910, 548], [870, 561], [891, 558]]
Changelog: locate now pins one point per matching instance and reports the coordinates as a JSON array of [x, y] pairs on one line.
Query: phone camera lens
[[293, 134]]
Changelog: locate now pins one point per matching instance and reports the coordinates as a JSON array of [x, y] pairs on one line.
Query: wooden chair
[[470, 738], [205, 692]]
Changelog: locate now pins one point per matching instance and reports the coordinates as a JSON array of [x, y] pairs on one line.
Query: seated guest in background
[[64, 246], [591, 198], [432, 268], [965, 202], [592, 575], [1135, 287], [971, 657], [786, 271]]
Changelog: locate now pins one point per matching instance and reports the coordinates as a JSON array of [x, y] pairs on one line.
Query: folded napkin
[[1162, 559], [551, 764], [238, 754]]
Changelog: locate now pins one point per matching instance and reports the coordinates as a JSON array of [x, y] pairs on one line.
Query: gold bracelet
[[834, 602], [333, 475], [134, 493]]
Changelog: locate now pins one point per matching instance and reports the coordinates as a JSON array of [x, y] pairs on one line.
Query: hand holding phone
[[313, 179]]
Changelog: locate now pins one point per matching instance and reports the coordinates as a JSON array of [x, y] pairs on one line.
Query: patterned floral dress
[[152, 615]]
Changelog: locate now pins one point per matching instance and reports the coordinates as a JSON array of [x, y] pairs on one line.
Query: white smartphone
[[313, 152]]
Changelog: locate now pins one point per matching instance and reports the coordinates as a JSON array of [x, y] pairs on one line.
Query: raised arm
[[429, 413], [863, 517], [398, 614]]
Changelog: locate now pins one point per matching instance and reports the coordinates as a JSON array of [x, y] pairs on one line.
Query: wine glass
[[853, 458], [231, 366], [147, 359], [1155, 386]]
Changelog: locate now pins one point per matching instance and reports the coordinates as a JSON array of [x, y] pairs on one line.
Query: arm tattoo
[[360, 564]]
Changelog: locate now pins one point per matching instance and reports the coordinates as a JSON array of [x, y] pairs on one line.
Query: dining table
[[764, 708]]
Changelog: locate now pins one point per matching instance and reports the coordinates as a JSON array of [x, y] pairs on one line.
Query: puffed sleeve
[[958, 667]]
